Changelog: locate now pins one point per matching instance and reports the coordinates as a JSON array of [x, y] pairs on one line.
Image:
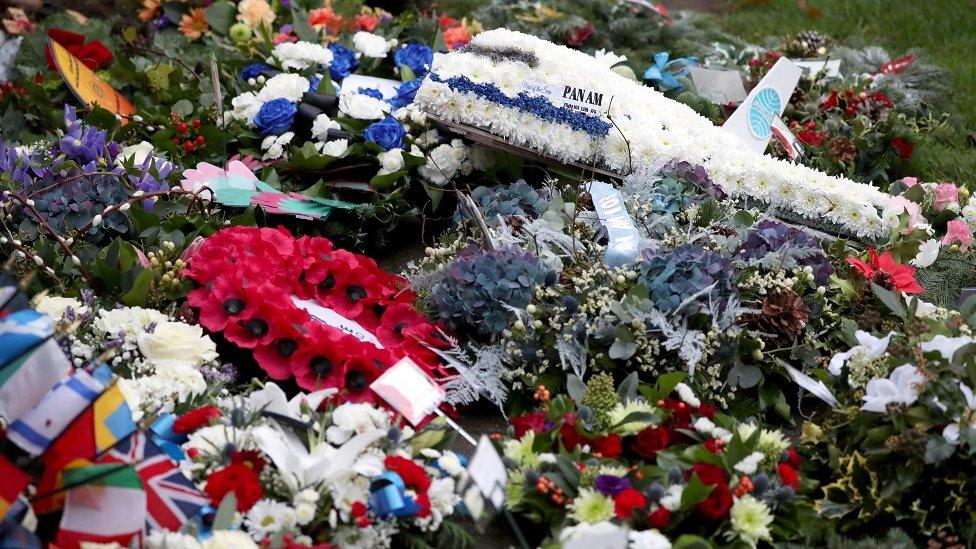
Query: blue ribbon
[[664, 73], [621, 230], [167, 440], [387, 497]]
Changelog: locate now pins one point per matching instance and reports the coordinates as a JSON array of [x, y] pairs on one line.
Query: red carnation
[[412, 474], [650, 441], [250, 458], [626, 501], [789, 476], [93, 55], [570, 434], [883, 270], [359, 511], [904, 147], [718, 502], [578, 36], [659, 518], [607, 446], [195, 419], [237, 478], [529, 422]]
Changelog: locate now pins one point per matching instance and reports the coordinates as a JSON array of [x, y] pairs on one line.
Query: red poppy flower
[[607, 446], [237, 478], [534, 421], [413, 475], [322, 273], [359, 372], [626, 501], [195, 419], [789, 476], [224, 302], [354, 290], [395, 324], [885, 271], [320, 358], [93, 55], [659, 518], [903, 146], [262, 321], [650, 441], [717, 504]]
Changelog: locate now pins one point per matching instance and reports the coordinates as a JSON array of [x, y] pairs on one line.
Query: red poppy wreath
[[329, 317]]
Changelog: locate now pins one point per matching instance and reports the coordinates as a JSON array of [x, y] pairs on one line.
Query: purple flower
[[610, 485]]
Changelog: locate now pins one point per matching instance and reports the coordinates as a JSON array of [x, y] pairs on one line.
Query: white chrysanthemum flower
[[302, 55], [283, 86], [608, 59], [750, 519], [372, 45], [591, 507], [268, 516], [443, 163], [245, 108]]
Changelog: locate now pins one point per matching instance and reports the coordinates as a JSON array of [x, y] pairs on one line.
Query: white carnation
[[336, 148], [321, 126], [274, 145], [390, 161], [362, 106], [283, 86], [302, 55], [372, 45]]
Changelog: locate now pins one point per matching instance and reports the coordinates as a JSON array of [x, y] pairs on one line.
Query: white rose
[[138, 152], [362, 106], [302, 55], [56, 306], [177, 343], [372, 45], [390, 161]]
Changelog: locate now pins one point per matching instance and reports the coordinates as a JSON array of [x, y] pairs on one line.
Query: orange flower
[[194, 24], [149, 11], [456, 37], [325, 18]]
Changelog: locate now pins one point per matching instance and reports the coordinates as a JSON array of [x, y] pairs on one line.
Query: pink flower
[[912, 209], [945, 194], [909, 181], [191, 249], [958, 230]]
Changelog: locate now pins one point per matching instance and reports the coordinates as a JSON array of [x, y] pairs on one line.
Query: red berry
[[181, 127], [39, 79], [22, 91], [201, 140], [196, 123], [188, 146], [176, 141]]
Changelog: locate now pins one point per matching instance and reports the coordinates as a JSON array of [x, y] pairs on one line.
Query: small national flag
[[171, 499], [22, 330], [35, 430], [15, 536], [113, 418], [28, 377], [106, 505], [13, 483], [98, 427]]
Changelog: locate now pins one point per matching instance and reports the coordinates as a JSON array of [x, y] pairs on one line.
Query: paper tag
[[623, 235], [586, 101], [786, 138], [85, 84], [718, 85], [409, 390], [385, 86], [609, 536], [488, 472], [752, 121], [334, 319], [813, 67]]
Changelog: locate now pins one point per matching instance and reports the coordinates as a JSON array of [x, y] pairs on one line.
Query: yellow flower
[[194, 24], [255, 13]]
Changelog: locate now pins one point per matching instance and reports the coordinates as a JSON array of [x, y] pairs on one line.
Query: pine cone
[[808, 43], [784, 314]]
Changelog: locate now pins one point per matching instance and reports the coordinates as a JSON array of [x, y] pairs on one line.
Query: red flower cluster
[[238, 478], [414, 478], [195, 419], [93, 55], [808, 134], [252, 280], [578, 36], [882, 269], [874, 105]]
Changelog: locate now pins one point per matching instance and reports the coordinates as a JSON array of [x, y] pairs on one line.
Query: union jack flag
[[171, 499]]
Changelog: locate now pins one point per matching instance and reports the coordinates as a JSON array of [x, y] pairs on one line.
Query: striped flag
[[35, 430], [22, 330], [13, 483], [106, 505], [171, 499], [113, 418], [28, 377]]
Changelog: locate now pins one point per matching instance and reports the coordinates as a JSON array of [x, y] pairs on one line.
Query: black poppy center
[[286, 347], [356, 380], [256, 327], [233, 306], [320, 365], [328, 283], [355, 293], [399, 328]]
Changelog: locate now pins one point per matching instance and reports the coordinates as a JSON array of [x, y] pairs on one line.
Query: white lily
[[968, 417], [272, 399], [868, 348], [897, 388], [946, 346]]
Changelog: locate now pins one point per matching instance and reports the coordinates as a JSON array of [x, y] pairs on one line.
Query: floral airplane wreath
[[328, 317]]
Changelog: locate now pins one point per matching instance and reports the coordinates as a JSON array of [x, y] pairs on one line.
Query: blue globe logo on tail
[[765, 105]]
